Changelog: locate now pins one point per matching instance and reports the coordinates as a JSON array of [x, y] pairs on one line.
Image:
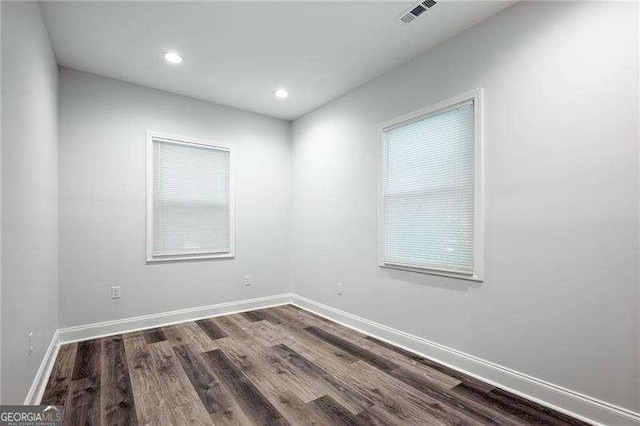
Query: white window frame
[[476, 96], [157, 136]]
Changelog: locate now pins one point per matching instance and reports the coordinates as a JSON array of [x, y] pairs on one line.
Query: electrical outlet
[[247, 280], [339, 289], [30, 342], [115, 292]]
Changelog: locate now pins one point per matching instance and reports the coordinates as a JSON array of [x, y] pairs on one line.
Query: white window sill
[[175, 258], [469, 277]]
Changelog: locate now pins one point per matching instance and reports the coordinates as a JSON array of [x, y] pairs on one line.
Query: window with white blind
[[189, 199], [431, 190]]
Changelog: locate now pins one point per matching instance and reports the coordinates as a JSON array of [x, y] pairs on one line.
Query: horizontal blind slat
[[191, 199], [429, 196]]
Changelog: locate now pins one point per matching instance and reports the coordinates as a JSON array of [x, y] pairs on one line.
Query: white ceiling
[[237, 53]]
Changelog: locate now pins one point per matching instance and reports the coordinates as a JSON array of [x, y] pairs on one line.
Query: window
[[189, 199], [431, 190]]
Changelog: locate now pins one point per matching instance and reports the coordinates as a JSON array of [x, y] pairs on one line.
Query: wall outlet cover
[[115, 292]]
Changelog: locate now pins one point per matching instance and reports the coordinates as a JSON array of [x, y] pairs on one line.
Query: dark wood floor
[[274, 366]]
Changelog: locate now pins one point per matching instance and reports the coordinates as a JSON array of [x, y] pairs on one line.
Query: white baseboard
[[557, 397], [553, 396], [42, 375], [108, 328], [102, 329]]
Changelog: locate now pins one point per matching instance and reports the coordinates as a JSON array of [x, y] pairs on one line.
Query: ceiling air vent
[[416, 10]]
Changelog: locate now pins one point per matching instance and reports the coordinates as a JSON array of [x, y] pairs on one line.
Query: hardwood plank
[[360, 340], [315, 349], [527, 410], [265, 333], [450, 399], [285, 374], [117, 404], [175, 384], [437, 377], [57, 387], [249, 398], [375, 416], [401, 401], [267, 314], [333, 412], [231, 328], [154, 336], [239, 319], [354, 402], [83, 407], [154, 409], [532, 407], [211, 392], [468, 380], [141, 369], [269, 372], [369, 357], [211, 329], [137, 333], [253, 316], [175, 335], [232, 416], [87, 361], [267, 383], [280, 422], [297, 412], [189, 333], [291, 319], [191, 414], [308, 319]]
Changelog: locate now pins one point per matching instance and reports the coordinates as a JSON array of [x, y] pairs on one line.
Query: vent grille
[[407, 18], [416, 10]]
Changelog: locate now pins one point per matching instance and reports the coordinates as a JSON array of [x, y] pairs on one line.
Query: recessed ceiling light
[[281, 93], [172, 57]]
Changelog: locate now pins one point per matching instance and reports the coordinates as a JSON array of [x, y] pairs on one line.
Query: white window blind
[[429, 191], [191, 202]]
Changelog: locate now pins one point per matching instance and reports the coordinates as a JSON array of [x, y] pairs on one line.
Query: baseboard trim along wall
[[108, 328], [565, 400], [557, 397], [44, 371]]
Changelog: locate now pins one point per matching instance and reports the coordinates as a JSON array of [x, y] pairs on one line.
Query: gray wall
[[102, 195], [560, 299], [29, 195]]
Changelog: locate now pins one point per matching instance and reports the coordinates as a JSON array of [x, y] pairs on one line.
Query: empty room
[[320, 212]]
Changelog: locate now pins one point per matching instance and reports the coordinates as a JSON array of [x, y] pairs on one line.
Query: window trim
[[477, 96], [150, 257]]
